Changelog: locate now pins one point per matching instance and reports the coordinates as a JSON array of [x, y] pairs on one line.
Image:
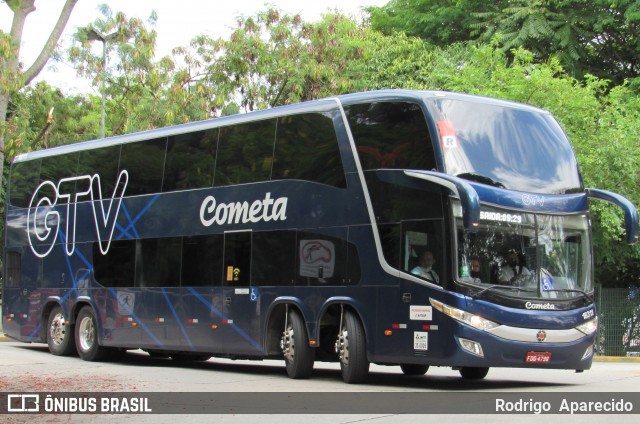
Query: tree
[[11, 76], [130, 76], [440, 22], [597, 37], [275, 59]]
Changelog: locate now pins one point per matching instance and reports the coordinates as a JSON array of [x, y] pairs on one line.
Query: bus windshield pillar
[[467, 194]]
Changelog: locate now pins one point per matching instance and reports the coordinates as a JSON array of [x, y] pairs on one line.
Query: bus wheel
[[474, 373], [59, 333], [350, 348], [87, 337], [414, 369], [298, 356]]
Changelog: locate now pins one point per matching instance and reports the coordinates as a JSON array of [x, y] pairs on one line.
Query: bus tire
[[474, 373], [414, 369], [298, 356], [60, 337], [87, 337], [351, 348]]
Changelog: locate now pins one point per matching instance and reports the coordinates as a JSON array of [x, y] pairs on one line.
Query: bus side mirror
[[469, 198], [630, 211]]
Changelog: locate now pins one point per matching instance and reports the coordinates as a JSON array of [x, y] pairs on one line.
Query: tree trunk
[[20, 13]]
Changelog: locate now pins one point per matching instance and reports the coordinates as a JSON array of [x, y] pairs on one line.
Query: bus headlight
[[588, 327], [474, 321]]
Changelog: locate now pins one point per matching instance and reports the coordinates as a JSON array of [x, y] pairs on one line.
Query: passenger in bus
[[512, 269], [425, 269], [475, 270]]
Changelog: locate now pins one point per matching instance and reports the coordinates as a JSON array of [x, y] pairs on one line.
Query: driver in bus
[[512, 269], [425, 269]]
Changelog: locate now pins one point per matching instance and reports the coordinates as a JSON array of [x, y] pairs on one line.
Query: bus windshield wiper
[[583, 293], [500, 286], [480, 179]]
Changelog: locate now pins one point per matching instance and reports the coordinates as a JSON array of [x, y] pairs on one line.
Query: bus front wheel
[[60, 333], [351, 349], [87, 337], [298, 356]]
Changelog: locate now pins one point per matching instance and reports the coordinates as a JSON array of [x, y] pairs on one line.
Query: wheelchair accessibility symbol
[[253, 294]]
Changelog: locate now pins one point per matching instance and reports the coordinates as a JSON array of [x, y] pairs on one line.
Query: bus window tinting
[[25, 177], [191, 159], [117, 267], [144, 161], [158, 262], [14, 269], [307, 149], [410, 220], [391, 135], [202, 261], [245, 153], [103, 162], [58, 167], [273, 258]]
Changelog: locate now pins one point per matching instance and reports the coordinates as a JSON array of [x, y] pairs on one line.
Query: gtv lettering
[[43, 221], [265, 210]]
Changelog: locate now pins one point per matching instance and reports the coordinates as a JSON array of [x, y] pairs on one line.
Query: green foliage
[[439, 22], [597, 37], [73, 119]]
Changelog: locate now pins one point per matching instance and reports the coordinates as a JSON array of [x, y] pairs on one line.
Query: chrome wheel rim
[[288, 344], [86, 334], [58, 329]]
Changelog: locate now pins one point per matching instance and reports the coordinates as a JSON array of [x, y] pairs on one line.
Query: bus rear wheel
[[474, 373], [298, 356], [351, 349], [60, 333], [87, 337]]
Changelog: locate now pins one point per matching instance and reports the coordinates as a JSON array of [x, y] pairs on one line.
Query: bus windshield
[[506, 145], [529, 256]]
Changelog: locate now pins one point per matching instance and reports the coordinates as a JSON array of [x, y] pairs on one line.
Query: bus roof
[[353, 98]]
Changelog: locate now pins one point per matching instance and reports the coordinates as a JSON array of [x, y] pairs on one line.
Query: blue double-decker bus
[[406, 228]]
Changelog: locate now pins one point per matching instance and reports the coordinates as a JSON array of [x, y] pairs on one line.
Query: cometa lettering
[[540, 306], [267, 209]]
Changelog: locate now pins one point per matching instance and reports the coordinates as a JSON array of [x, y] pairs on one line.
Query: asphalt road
[[31, 368]]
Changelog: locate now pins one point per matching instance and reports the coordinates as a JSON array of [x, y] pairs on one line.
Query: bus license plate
[[538, 357]]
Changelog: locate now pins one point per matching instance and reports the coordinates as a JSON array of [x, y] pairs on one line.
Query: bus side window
[[117, 267], [273, 258], [202, 261], [391, 135], [14, 269], [191, 159], [103, 162], [245, 153], [144, 161], [25, 177], [158, 262], [307, 149]]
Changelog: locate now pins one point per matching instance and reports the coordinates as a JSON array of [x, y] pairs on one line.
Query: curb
[[616, 359]]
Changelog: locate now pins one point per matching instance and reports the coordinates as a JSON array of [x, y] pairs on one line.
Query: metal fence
[[618, 322]]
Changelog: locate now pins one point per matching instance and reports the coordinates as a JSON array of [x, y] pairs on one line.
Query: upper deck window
[[506, 146], [391, 135]]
